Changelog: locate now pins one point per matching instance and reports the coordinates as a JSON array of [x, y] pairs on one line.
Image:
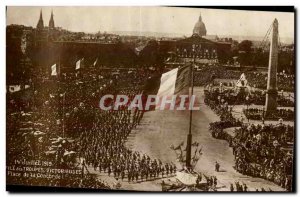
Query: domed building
[[199, 28], [196, 48]]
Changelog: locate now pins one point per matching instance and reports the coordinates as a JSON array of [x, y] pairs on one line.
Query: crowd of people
[[259, 114], [104, 149], [265, 151], [261, 151], [243, 96], [207, 74], [259, 80], [242, 187], [58, 120], [221, 107]]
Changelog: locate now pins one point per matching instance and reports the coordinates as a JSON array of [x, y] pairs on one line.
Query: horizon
[[178, 21]]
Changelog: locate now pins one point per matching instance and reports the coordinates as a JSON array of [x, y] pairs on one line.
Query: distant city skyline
[[163, 20]]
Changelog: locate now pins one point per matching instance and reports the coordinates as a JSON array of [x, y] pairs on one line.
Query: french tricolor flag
[[168, 87]]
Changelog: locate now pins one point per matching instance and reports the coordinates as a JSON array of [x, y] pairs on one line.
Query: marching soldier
[[217, 167]]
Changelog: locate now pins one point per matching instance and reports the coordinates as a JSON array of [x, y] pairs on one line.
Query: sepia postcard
[[164, 99]]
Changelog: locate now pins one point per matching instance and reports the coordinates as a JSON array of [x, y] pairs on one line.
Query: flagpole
[[189, 136]]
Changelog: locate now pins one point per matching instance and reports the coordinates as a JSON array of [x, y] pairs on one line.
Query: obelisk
[[271, 97]]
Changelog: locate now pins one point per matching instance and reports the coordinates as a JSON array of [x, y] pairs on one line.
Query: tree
[[245, 45]]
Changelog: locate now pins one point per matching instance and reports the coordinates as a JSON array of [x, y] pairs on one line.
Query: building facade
[[196, 47]]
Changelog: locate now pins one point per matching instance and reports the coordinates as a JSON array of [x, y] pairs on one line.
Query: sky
[[155, 19]]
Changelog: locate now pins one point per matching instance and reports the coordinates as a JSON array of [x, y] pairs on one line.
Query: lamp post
[[263, 116], [63, 109], [221, 87], [247, 103], [195, 51], [194, 54]]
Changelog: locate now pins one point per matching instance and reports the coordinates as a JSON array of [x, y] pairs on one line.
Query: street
[[160, 129]]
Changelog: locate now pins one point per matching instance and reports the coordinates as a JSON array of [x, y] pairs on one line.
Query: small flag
[[95, 62], [53, 70], [79, 64]]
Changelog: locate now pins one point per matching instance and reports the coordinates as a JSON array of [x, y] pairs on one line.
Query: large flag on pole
[[242, 82], [54, 70], [79, 64], [171, 83]]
